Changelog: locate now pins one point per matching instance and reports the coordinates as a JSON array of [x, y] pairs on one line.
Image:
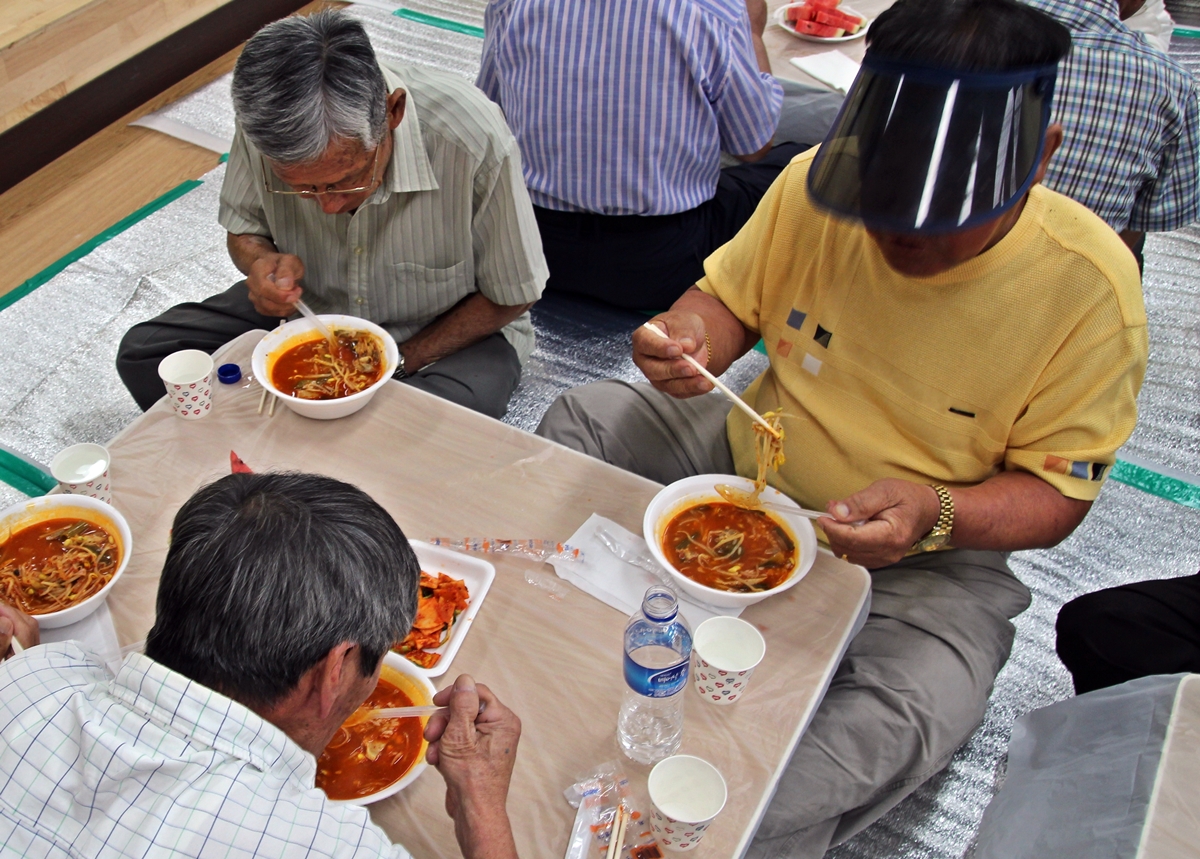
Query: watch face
[[934, 541]]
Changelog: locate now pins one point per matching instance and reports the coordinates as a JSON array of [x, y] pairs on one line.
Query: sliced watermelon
[[812, 28], [807, 12], [823, 4], [835, 18]]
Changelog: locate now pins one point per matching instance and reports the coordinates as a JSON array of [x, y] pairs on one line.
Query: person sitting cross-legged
[[956, 353], [384, 192], [279, 596]]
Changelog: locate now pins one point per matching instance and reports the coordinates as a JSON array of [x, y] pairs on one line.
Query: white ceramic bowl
[[696, 490], [322, 409], [398, 670], [30, 512]]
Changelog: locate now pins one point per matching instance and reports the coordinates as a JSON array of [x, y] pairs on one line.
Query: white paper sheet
[[615, 582], [832, 68]]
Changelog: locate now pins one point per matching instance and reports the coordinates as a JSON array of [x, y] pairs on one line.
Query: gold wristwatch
[[940, 535]]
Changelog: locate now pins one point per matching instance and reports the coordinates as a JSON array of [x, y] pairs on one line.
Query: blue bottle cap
[[229, 373]]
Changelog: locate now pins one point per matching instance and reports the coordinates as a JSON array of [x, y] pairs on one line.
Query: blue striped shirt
[[1131, 151], [622, 107]]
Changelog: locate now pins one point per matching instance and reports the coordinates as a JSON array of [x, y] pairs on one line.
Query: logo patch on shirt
[[1081, 470], [796, 319], [823, 337], [783, 348]]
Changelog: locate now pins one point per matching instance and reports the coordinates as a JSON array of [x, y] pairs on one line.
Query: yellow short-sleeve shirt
[[1029, 356]]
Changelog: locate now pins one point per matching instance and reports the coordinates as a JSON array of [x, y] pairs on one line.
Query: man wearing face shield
[[956, 352]]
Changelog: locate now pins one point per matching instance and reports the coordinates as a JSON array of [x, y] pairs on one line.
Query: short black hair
[[968, 35], [266, 573]]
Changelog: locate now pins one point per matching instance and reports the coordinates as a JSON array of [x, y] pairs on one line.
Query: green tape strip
[[440, 23], [1162, 485], [11, 298], [1187, 32], [24, 476]]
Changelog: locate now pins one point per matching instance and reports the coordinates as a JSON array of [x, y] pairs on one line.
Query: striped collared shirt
[[152, 765], [623, 107], [1131, 151], [452, 217]]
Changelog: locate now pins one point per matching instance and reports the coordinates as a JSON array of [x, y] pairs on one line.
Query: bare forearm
[[245, 250], [486, 835], [730, 339], [1014, 510], [469, 321]]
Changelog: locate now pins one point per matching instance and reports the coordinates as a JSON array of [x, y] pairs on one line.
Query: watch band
[[401, 371], [945, 520], [939, 536]]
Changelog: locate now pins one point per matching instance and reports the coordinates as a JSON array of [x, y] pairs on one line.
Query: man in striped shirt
[[279, 596], [392, 194], [1132, 121], [622, 109]]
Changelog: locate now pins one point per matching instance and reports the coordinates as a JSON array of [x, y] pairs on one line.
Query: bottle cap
[[229, 373]]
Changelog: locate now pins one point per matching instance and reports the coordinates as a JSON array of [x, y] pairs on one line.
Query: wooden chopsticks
[[616, 843], [719, 385]]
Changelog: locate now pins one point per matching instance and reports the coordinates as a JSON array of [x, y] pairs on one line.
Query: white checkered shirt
[[1132, 122], [153, 765]]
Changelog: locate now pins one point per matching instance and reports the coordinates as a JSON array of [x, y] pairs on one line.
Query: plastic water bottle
[[658, 650]]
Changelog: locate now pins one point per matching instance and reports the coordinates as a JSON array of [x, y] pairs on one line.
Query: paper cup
[[686, 793], [725, 652], [82, 469], [188, 377]]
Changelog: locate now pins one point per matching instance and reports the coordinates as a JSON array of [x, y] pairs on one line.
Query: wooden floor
[[99, 182]]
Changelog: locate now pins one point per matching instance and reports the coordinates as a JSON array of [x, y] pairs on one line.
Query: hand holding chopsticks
[[717, 383]]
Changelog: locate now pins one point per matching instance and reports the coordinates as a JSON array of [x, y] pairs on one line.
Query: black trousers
[[1136, 630], [645, 262], [481, 377]]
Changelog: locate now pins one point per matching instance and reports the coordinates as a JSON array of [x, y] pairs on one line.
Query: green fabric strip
[[24, 476], [1161, 485], [11, 298], [440, 23]]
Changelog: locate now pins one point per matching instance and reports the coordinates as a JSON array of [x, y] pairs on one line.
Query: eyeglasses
[[330, 189]]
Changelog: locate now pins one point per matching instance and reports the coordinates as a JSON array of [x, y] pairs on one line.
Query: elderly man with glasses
[[392, 194]]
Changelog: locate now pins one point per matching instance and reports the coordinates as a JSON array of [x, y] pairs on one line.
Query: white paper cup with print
[[188, 377], [725, 652], [686, 793], [82, 469]]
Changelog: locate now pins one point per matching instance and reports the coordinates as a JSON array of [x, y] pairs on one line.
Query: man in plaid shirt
[[1131, 151]]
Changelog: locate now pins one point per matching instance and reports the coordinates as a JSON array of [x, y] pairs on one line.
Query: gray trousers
[[914, 682], [481, 377]]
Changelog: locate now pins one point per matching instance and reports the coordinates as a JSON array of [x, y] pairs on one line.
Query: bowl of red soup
[[315, 379], [60, 555], [370, 759], [726, 554]]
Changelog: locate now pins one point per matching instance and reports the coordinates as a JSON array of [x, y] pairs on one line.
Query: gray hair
[[301, 83], [266, 573]]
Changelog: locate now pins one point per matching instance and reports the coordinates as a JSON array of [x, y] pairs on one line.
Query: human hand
[[274, 283], [475, 750], [14, 622], [897, 514], [661, 358]]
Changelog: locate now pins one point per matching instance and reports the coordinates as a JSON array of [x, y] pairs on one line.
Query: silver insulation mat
[[58, 386]]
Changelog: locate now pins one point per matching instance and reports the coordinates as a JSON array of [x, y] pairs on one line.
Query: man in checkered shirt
[[283, 591], [1131, 151]]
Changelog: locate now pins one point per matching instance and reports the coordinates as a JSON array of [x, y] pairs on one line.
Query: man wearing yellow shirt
[[957, 354]]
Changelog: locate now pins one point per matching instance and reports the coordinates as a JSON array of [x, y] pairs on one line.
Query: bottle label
[[656, 682]]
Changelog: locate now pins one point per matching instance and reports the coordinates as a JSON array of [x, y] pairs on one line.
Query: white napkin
[[616, 582], [95, 632], [832, 68]]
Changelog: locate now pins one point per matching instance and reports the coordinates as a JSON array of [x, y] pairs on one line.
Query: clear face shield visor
[[921, 150]]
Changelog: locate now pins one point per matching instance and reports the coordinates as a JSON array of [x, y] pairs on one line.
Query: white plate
[[476, 574], [781, 20]]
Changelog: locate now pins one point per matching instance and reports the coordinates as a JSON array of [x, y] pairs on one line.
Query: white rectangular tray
[[476, 574]]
